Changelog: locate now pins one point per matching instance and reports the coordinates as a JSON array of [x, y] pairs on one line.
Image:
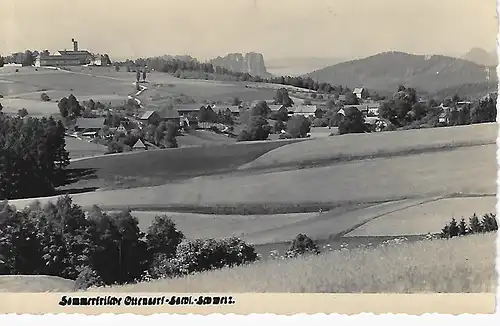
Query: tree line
[[178, 65], [99, 248], [32, 156]]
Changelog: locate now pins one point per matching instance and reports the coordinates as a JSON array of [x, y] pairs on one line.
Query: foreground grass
[[458, 265]]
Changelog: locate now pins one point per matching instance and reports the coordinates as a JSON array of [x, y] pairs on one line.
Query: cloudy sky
[[276, 28]]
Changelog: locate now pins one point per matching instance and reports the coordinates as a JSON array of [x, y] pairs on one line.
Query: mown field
[[78, 148], [160, 166], [458, 265], [429, 217], [352, 146], [468, 170], [199, 90]]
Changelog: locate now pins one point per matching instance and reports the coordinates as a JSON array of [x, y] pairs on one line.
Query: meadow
[[160, 166], [363, 146], [78, 148], [459, 265], [466, 171], [428, 217]]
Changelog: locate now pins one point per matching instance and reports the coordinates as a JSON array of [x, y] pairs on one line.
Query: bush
[[87, 278], [301, 245], [206, 254], [44, 97]]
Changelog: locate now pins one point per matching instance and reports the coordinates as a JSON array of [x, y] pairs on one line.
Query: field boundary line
[[346, 159]]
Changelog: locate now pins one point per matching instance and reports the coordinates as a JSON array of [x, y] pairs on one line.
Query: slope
[[385, 71]]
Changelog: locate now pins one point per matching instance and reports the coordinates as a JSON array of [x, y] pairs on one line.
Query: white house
[[304, 110]]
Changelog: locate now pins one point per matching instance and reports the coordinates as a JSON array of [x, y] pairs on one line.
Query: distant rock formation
[[252, 63]]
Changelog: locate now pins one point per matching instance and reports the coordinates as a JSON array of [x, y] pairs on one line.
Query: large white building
[[75, 57]]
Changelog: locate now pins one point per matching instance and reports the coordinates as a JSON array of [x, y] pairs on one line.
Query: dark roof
[[232, 108], [58, 57], [359, 107], [74, 53], [188, 107], [87, 123], [169, 113]]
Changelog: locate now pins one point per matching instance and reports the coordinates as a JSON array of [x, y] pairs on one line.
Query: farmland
[[78, 148], [414, 177], [355, 188], [345, 147], [460, 265], [164, 165]]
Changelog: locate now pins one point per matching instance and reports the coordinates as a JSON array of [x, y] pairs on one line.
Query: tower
[[75, 44]]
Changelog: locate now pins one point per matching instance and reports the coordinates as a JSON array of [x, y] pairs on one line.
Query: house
[[170, 114], [275, 107], [304, 110], [89, 124], [373, 109], [360, 92], [350, 109], [90, 134], [254, 103], [150, 117], [139, 145], [342, 98], [121, 128], [363, 108], [188, 109], [235, 109], [444, 118]]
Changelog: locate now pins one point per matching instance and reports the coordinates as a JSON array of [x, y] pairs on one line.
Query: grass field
[[459, 265], [468, 171], [203, 138], [81, 148], [223, 226], [199, 90], [346, 147], [160, 166], [35, 283], [429, 217]]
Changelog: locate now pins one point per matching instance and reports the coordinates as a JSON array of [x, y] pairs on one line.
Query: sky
[[275, 28]]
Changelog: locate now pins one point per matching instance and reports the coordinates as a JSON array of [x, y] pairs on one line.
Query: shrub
[[301, 245], [44, 97], [87, 278], [205, 254]]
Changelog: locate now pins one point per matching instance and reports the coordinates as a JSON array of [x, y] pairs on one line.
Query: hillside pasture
[[470, 170], [203, 138], [78, 148], [277, 228], [428, 217], [409, 217], [160, 166], [361, 146], [36, 108], [195, 225], [458, 265], [72, 82]]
